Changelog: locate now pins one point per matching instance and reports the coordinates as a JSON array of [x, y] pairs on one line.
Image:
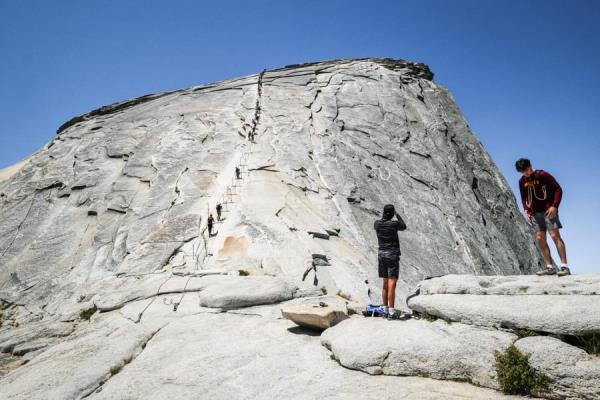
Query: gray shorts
[[541, 223]]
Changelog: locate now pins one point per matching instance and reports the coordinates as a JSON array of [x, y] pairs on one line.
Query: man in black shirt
[[211, 221], [389, 255]]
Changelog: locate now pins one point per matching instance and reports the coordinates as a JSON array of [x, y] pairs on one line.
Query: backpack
[[373, 310]]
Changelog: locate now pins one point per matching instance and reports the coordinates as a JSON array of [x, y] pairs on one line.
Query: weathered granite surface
[[572, 373], [105, 227], [77, 366], [587, 284], [317, 313], [566, 306], [126, 190], [418, 348], [255, 357]]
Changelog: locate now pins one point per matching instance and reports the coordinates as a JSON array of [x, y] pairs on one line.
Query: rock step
[[572, 373], [588, 284], [517, 302], [418, 348], [317, 313]]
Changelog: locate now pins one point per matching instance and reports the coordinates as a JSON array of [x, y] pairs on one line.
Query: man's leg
[[540, 236], [560, 245], [391, 292], [384, 292]]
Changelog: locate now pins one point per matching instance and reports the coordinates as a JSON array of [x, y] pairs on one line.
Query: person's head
[[523, 166], [388, 211]]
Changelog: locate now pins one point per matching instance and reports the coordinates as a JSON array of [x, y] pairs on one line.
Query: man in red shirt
[[541, 195]]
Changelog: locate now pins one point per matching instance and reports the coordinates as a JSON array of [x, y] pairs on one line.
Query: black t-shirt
[[387, 233]]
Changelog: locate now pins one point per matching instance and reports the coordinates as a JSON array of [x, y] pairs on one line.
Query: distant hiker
[[389, 255], [237, 172], [219, 208], [211, 221], [541, 195]]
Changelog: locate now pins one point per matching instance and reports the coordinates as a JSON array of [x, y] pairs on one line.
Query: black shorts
[[389, 267]]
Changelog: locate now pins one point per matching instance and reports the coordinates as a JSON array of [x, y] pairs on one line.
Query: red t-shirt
[[539, 192]]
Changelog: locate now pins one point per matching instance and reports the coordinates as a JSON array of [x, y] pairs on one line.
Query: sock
[[550, 266], [392, 311], [564, 265], [385, 309]]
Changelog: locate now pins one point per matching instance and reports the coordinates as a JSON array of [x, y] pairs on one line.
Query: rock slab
[[544, 304], [230, 356], [419, 348], [228, 292], [319, 313], [587, 284], [573, 373], [78, 366]]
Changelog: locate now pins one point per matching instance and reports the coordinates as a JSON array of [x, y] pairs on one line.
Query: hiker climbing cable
[[237, 173], [211, 222], [389, 256], [541, 195], [219, 208]]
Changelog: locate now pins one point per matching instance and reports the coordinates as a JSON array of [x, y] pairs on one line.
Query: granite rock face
[[125, 190], [565, 306], [108, 221]]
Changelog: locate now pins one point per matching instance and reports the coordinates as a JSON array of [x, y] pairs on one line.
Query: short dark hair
[[388, 211], [522, 164]]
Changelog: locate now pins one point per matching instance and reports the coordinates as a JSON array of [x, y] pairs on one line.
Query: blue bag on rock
[[373, 310]]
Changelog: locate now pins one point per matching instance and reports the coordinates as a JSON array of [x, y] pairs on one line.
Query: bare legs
[[543, 243], [560, 246], [388, 292]]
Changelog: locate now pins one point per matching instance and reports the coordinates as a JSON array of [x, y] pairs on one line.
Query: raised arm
[[401, 223]]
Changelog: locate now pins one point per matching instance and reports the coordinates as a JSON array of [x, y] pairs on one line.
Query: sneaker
[[546, 271], [564, 271]]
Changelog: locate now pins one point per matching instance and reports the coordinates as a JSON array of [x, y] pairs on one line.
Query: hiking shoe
[[564, 271], [546, 271]]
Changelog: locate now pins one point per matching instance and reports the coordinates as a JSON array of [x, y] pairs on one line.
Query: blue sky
[[524, 73]]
